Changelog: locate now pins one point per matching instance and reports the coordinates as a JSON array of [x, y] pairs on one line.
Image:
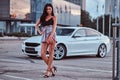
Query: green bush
[[18, 34]]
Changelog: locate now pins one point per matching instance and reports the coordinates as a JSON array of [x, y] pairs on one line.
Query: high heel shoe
[[53, 70], [47, 74]]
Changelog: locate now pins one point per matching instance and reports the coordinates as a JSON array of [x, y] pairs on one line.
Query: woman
[[48, 22]]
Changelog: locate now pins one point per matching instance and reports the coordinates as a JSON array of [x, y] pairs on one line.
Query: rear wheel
[[102, 51], [60, 52]]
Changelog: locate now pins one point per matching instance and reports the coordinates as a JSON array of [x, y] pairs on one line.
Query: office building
[[9, 22], [5, 8], [68, 12], [81, 3], [4, 13]]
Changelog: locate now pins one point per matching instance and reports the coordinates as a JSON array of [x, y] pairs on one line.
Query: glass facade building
[[4, 8], [36, 8], [10, 22], [4, 13], [68, 12]]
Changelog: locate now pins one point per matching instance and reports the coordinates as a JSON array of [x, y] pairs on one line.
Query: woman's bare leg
[[47, 60], [51, 54], [43, 52]]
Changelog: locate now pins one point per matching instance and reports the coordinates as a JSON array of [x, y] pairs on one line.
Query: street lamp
[[97, 16], [103, 29]]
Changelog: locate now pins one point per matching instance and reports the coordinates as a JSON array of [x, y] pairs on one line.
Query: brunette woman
[[49, 23]]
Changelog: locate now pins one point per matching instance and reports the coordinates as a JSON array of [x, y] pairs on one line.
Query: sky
[[91, 7], [19, 7]]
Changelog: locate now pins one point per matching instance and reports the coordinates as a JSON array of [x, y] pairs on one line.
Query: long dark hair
[[43, 16]]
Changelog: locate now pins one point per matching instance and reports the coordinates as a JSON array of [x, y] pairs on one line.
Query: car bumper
[[33, 51]]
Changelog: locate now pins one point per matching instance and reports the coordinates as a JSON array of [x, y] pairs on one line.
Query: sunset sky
[[19, 7]]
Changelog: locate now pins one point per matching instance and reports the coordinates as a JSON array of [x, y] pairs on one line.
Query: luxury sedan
[[71, 41]]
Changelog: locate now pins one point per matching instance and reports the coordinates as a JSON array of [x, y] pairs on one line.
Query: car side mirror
[[75, 36]]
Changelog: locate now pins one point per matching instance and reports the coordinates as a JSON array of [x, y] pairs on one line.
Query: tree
[[86, 19], [106, 28]]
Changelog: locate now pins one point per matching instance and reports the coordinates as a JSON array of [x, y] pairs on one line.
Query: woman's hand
[[50, 39], [41, 33], [51, 36]]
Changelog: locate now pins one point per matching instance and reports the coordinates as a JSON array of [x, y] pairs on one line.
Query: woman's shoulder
[[54, 17]]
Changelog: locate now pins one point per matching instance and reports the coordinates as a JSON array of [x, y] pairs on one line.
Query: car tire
[[102, 51], [60, 52]]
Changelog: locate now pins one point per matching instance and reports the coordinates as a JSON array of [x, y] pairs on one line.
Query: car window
[[80, 33], [64, 32], [91, 33]]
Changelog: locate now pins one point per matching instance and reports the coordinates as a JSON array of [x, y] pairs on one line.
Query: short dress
[[47, 27]]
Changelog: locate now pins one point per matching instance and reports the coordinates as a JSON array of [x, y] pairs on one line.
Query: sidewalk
[[12, 38]]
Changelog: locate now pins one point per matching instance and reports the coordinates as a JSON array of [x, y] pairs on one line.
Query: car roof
[[74, 27]]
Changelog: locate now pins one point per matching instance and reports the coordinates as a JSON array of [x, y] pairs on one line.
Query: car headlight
[[23, 43]]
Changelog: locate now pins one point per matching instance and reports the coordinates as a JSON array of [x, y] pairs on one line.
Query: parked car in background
[[71, 41]]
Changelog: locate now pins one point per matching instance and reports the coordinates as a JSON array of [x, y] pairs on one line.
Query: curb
[[12, 38]]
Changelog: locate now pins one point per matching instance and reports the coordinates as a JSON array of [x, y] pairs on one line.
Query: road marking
[[97, 70], [18, 77], [97, 61], [87, 69], [18, 61], [10, 60]]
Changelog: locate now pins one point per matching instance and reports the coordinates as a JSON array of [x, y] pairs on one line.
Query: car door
[[78, 42], [92, 40]]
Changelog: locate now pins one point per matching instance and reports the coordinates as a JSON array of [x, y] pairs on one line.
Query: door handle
[[97, 38]]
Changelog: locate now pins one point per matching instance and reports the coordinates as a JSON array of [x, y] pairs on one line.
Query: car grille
[[32, 44], [30, 50]]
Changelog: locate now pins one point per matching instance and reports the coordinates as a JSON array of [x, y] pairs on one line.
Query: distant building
[[112, 7], [36, 8], [8, 22], [81, 3], [107, 6], [4, 13], [115, 8], [5, 8], [68, 12]]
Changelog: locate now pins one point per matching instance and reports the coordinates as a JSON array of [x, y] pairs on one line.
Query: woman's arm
[[37, 26], [54, 26]]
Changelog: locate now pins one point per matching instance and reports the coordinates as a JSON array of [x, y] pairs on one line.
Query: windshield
[[64, 32]]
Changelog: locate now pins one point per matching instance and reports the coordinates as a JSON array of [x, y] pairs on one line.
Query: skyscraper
[[5, 8]]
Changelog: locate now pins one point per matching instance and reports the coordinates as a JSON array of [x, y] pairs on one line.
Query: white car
[[71, 41]]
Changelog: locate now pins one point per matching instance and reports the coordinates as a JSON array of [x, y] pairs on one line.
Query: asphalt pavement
[[16, 66]]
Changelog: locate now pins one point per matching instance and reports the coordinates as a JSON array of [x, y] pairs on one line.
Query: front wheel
[[102, 51], [60, 52]]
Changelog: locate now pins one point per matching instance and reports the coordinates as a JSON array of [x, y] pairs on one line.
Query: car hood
[[37, 39]]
